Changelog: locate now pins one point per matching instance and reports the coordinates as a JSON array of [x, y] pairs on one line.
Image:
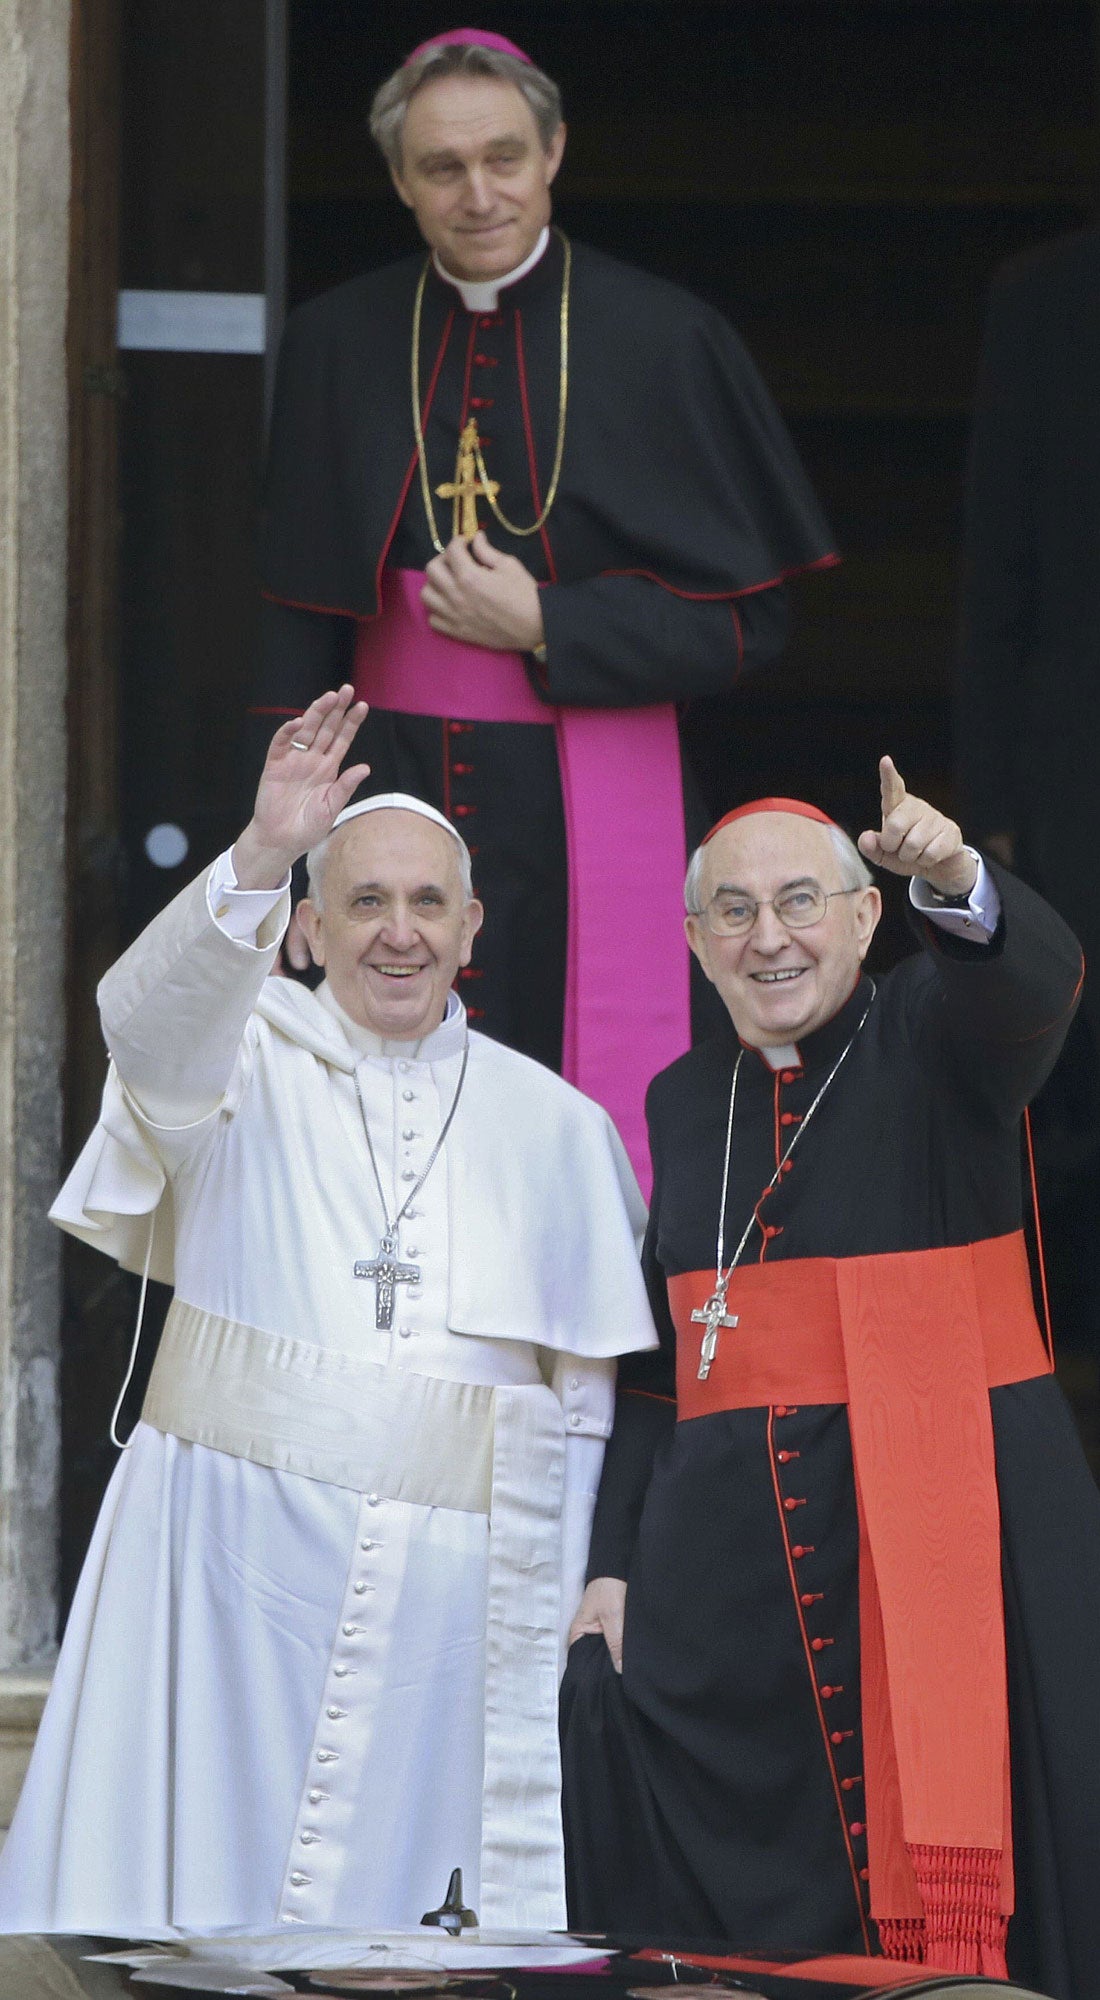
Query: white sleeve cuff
[[239, 912], [977, 921]]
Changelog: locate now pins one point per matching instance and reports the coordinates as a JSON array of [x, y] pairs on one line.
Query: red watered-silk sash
[[624, 824], [912, 1343]]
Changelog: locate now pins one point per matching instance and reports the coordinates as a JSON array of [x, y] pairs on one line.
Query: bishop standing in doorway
[[540, 500], [844, 1508], [312, 1661]]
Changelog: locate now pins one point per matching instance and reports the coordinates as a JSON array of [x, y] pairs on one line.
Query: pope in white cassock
[[312, 1662]]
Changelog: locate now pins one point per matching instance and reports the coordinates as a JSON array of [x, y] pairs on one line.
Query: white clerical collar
[[483, 297], [787, 1057], [444, 1041]]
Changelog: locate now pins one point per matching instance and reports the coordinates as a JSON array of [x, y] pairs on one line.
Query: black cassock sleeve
[[625, 641], [997, 1024], [645, 1413]]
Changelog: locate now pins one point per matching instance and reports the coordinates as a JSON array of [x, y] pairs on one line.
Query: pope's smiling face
[[394, 924], [475, 173], [780, 984]]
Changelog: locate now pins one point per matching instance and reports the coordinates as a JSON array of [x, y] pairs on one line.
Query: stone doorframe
[[35, 180]]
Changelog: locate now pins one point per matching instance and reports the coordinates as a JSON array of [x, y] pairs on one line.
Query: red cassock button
[[786, 1118], [781, 1409], [836, 1736], [791, 1504], [857, 1827], [865, 1874], [847, 1783], [827, 1692], [784, 1456], [786, 1167]]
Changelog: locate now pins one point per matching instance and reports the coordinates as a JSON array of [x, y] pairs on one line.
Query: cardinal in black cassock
[[859, 1551], [619, 418]]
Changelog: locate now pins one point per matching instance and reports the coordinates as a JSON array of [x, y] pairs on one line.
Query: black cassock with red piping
[[681, 508], [716, 1789]]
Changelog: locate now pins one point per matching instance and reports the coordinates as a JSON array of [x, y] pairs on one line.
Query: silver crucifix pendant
[[386, 1272], [712, 1316]]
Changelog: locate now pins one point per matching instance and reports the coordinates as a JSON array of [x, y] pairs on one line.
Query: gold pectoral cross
[[466, 488]]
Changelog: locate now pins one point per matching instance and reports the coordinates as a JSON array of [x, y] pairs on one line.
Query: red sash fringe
[[912, 1343]]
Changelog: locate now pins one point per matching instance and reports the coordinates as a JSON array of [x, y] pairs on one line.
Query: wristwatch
[[953, 902]]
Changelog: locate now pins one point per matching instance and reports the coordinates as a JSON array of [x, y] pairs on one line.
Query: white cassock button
[[327, 1757], [408, 1133], [368, 1544], [316, 1795], [574, 1381], [360, 1588], [299, 1880], [402, 1333], [408, 1095], [413, 1250], [341, 1673], [574, 1420], [349, 1631], [307, 1839], [335, 1714], [372, 1499], [408, 1174], [403, 1067]]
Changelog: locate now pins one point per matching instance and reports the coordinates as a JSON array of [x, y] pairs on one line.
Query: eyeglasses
[[729, 914]]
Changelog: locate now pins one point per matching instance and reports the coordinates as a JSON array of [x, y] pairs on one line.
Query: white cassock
[[312, 1660]]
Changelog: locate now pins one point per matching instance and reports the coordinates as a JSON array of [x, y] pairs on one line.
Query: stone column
[[34, 258]]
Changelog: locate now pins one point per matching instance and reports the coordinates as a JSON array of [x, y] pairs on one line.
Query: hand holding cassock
[[916, 839], [477, 593]]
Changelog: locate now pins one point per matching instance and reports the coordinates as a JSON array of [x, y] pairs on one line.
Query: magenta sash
[[626, 987]]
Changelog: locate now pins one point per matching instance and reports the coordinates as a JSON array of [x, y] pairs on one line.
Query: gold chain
[[563, 397]]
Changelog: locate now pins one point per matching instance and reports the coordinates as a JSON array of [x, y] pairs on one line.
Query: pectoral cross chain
[[713, 1315], [386, 1272]]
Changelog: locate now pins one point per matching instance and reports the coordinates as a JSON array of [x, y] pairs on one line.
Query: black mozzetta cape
[[681, 507], [702, 1797], [676, 468]]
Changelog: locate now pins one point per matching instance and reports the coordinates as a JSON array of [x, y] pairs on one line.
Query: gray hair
[[854, 872], [392, 99], [317, 859]]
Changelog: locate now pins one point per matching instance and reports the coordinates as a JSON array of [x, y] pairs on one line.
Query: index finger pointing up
[[893, 785]]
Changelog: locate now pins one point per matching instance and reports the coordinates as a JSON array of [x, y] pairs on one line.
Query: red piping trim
[[1048, 1329], [650, 1396], [723, 596], [274, 711], [470, 345], [446, 766], [775, 1117], [528, 432], [795, 1594]]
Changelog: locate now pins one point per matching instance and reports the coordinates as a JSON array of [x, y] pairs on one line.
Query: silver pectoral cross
[[386, 1272], [712, 1316]]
